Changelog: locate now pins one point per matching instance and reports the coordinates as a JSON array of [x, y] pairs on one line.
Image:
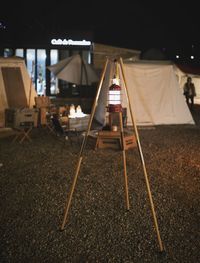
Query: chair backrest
[[57, 126]]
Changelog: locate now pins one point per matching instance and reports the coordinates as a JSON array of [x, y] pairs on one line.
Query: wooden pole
[[142, 160], [124, 161], [68, 201], [29, 97]]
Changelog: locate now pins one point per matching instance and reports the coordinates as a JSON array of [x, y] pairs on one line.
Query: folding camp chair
[[23, 132]]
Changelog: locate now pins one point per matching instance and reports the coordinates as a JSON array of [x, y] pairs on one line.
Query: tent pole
[[68, 201], [29, 97], [143, 162]]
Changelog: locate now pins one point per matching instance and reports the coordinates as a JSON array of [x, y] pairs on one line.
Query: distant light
[[192, 57], [2, 26], [177, 56]]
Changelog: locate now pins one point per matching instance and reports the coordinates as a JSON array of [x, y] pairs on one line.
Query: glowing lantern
[[114, 97], [72, 111]]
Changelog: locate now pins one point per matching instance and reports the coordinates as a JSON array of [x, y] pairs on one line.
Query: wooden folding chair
[[22, 133]]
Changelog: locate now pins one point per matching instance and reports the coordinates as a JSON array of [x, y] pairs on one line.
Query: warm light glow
[[76, 113], [114, 97], [72, 111]]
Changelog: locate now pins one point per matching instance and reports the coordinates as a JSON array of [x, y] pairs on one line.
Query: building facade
[[43, 51]]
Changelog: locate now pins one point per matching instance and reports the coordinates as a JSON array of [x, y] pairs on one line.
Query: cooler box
[[21, 117], [79, 124]]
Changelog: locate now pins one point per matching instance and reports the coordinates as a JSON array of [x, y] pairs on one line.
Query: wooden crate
[[108, 139], [43, 116], [19, 117], [42, 101], [25, 116], [130, 141], [112, 140]]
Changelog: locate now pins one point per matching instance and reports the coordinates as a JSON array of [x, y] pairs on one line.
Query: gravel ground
[[36, 177]]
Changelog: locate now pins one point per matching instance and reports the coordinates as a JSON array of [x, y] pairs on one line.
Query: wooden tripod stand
[[68, 201]]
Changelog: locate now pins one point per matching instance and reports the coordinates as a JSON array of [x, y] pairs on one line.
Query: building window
[[19, 52], [8, 52], [41, 71], [30, 64], [54, 81], [86, 56]]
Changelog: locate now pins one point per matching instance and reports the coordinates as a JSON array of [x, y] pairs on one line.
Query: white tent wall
[[27, 87], [3, 101], [154, 93]]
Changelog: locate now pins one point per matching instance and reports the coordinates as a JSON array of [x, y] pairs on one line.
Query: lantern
[[72, 111], [114, 97]]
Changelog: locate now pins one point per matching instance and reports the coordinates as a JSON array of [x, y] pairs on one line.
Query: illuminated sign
[[70, 42]]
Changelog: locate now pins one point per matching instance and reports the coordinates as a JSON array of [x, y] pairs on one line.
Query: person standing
[[189, 92]]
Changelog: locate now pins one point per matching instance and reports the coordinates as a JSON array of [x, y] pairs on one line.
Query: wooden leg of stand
[[68, 201], [152, 207], [126, 181], [142, 160], [124, 161]]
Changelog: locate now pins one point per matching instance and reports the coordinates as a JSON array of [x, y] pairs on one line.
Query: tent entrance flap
[[14, 83]]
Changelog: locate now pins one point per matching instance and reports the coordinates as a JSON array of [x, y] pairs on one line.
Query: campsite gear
[[72, 111], [74, 127], [68, 201], [16, 118], [22, 122], [114, 98], [42, 101], [74, 70], [79, 123], [114, 94], [111, 139], [62, 131], [43, 104], [23, 132]]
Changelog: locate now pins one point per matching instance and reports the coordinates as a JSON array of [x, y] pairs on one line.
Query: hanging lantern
[[114, 93], [114, 98]]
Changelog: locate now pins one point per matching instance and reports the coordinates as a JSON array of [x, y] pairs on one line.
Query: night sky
[[130, 24]]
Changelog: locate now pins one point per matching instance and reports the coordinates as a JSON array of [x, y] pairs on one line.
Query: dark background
[[173, 27]]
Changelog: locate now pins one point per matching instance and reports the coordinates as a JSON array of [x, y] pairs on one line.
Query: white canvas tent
[[16, 89], [75, 70], [155, 94]]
